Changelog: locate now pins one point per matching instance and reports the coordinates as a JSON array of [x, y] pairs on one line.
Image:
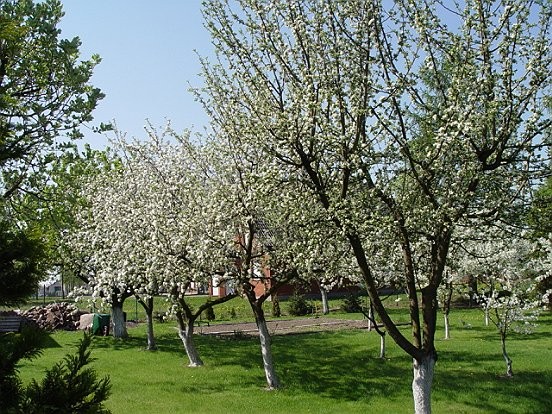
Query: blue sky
[[148, 60]]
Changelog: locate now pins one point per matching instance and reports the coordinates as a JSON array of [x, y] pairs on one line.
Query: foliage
[[209, 313], [351, 304], [14, 347], [544, 280], [387, 126], [45, 91], [540, 214], [45, 96], [298, 305], [69, 387], [20, 270]]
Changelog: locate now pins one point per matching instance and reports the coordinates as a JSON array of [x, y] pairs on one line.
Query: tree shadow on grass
[[326, 365], [212, 349], [471, 379], [49, 342], [315, 363]]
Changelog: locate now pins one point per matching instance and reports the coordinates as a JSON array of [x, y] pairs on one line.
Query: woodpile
[[55, 316]]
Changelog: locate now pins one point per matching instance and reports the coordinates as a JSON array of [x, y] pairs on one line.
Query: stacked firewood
[[55, 316]]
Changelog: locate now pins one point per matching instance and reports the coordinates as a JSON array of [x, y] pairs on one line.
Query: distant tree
[[507, 269], [144, 229]]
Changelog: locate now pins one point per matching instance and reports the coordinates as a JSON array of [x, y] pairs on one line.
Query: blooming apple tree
[[265, 246], [509, 269], [399, 120], [145, 230]]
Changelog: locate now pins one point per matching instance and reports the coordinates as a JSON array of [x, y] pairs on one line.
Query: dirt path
[[284, 326]]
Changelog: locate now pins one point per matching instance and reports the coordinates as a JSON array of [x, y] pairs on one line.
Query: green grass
[[335, 372]]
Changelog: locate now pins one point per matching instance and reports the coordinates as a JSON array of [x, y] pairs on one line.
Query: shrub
[[14, 347], [351, 304], [68, 386], [299, 306], [209, 313]]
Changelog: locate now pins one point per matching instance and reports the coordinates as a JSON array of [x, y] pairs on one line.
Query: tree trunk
[[370, 316], [421, 384], [382, 345], [324, 297], [147, 304], [118, 321], [486, 315], [509, 372], [446, 307], [186, 333], [266, 350], [151, 337]]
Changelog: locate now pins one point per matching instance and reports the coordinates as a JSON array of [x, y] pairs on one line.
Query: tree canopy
[[403, 122], [45, 94]]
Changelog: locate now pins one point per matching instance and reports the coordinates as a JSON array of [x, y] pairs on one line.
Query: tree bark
[[324, 297], [152, 346], [422, 382], [147, 304], [382, 345], [118, 321], [272, 381], [186, 333], [509, 371], [446, 307], [370, 316], [266, 351]]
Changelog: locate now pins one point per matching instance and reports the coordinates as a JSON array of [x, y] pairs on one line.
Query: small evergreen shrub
[[209, 313], [351, 304], [68, 387], [299, 306]]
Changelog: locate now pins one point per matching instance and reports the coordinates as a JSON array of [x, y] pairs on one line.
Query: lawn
[[336, 372]]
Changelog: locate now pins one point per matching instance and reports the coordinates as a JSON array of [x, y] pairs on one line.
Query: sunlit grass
[[336, 372]]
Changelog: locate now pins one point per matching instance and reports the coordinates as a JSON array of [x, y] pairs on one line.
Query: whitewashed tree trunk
[[186, 333], [447, 327], [486, 316], [421, 384], [382, 346], [370, 317], [266, 351], [324, 297], [118, 321]]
